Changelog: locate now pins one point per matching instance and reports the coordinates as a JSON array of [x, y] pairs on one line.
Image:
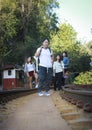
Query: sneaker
[[40, 94], [47, 94]]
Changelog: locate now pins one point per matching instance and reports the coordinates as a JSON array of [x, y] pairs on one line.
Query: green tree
[[8, 24], [24, 24], [89, 48], [66, 40]]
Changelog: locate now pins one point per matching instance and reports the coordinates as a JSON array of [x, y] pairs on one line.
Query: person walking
[[29, 69], [44, 54], [58, 70]]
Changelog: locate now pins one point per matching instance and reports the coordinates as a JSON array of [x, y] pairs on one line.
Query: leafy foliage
[[8, 26], [23, 26], [66, 40], [84, 78], [88, 47], [3, 50]]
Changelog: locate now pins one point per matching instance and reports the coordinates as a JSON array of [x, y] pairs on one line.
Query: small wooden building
[[12, 77]]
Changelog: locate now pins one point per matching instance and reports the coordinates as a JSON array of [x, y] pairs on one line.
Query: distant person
[[29, 69], [65, 59], [44, 54], [58, 70]]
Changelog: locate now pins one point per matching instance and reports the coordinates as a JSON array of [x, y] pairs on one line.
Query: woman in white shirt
[[30, 71], [58, 69]]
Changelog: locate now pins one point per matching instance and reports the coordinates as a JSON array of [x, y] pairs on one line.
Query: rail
[[78, 96], [6, 96]]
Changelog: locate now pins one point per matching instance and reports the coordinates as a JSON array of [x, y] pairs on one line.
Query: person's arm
[[26, 70], [38, 51]]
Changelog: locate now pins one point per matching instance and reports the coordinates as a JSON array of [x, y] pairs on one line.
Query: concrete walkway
[[37, 114]]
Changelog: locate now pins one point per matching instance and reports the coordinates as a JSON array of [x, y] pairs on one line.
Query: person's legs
[[55, 82], [42, 75], [48, 78], [30, 82], [36, 79], [60, 80], [63, 80], [31, 73]]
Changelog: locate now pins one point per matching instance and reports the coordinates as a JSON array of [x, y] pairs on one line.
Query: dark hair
[[65, 53], [44, 40], [30, 60], [59, 56]]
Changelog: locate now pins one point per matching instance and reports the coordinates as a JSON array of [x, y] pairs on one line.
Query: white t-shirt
[[58, 66], [29, 67], [45, 58]]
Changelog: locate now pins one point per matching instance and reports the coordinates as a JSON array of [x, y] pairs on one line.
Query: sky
[[79, 14]]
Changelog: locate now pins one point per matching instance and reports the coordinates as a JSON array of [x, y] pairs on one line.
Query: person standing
[[58, 70], [65, 59], [29, 69], [44, 54]]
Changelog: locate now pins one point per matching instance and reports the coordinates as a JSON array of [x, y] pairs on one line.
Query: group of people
[[47, 67]]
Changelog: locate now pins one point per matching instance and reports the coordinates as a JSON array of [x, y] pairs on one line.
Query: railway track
[[75, 106], [76, 116], [8, 95], [70, 102], [78, 96], [11, 100]]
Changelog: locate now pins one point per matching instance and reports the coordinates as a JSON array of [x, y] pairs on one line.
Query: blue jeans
[[45, 77]]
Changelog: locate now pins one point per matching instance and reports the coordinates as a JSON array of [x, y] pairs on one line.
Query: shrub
[[84, 78]]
